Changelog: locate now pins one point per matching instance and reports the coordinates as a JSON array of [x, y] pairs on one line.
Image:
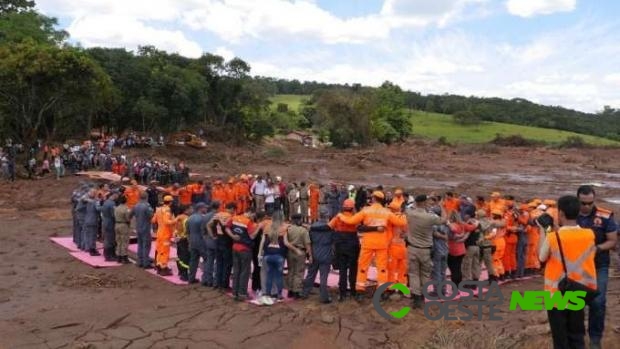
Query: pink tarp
[[94, 261]]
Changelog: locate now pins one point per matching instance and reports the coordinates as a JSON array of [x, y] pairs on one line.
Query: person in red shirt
[[460, 231], [242, 230]]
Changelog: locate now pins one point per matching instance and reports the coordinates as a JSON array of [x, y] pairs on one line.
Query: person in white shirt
[[258, 193], [270, 198]]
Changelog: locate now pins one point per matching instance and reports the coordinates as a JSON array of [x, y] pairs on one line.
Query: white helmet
[[351, 187]]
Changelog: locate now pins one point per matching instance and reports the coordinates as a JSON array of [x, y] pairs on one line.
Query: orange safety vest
[[579, 251]]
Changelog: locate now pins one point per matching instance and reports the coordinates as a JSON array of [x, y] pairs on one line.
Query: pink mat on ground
[[173, 250], [94, 261]]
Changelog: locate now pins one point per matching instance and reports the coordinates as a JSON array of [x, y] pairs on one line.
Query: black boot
[[342, 297], [125, 260], [165, 272], [415, 303], [94, 252]]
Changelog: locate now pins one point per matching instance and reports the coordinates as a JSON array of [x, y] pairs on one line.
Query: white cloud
[[612, 79], [225, 53], [530, 8], [130, 33]]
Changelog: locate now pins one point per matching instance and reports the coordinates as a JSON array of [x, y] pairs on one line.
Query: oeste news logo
[[492, 299]]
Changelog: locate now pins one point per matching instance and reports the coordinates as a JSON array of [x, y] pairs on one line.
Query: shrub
[[467, 118]]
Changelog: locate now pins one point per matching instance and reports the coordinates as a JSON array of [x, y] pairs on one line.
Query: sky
[[554, 52]]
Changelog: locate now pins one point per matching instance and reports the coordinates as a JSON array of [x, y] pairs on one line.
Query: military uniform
[[121, 228], [91, 221], [299, 237], [420, 240]]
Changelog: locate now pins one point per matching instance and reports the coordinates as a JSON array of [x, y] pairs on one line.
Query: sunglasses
[[584, 203]]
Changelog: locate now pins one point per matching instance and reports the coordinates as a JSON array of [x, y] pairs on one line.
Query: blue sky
[[556, 52]]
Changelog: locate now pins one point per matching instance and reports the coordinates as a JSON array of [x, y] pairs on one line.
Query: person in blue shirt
[[602, 222]]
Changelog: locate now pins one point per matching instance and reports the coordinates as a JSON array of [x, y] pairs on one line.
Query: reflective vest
[[579, 250], [240, 227]]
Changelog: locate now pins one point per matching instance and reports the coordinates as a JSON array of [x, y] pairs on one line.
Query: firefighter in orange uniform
[[510, 254], [397, 253], [314, 203], [499, 242], [242, 194], [165, 228], [374, 243], [218, 194], [229, 191]]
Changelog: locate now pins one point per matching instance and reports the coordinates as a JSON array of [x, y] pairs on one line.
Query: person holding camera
[[569, 255]]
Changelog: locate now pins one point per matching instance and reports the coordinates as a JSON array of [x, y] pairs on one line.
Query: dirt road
[[50, 300]]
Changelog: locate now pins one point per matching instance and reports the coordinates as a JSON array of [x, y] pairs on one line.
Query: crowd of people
[[246, 228]]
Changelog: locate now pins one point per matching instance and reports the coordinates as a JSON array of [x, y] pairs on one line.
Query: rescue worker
[[532, 263], [304, 197], [132, 194], [299, 237], [107, 225], [185, 197], [511, 238], [496, 203], [91, 219], [440, 249], [122, 219], [219, 194], [420, 238], [571, 248], [242, 194], [198, 192], [397, 253], [374, 242], [314, 202], [165, 227], [602, 222], [450, 203], [180, 234], [143, 213], [242, 230], [497, 237], [352, 192], [399, 198], [481, 204], [230, 192], [320, 256], [347, 250]]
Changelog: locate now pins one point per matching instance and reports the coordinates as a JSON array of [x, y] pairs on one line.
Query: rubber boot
[[94, 252], [125, 260]]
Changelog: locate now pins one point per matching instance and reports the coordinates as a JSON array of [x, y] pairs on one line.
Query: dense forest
[[50, 89]]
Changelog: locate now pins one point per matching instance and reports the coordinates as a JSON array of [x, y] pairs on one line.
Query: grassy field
[[293, 101], [433, 125]]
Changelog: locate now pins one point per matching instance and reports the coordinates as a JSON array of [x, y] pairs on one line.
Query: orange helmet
[[348, 204]]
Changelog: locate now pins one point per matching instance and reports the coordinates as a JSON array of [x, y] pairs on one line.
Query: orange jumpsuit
[[398, 200], [133, 196], [451, 205], [314, 202], [533, 234], [397, 255], [165, 228], [242, 195], [495, 204], [510, 253], [229, 193], [185, 195], [218, 194], [500, 248], [374, 243]]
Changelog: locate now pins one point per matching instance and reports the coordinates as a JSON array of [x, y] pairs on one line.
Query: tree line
[[52, 90]]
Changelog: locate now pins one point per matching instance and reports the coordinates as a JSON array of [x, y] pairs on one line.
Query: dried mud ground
[[50, 300]]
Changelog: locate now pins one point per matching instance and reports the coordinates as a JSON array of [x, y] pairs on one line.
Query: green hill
[[433, 125]]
